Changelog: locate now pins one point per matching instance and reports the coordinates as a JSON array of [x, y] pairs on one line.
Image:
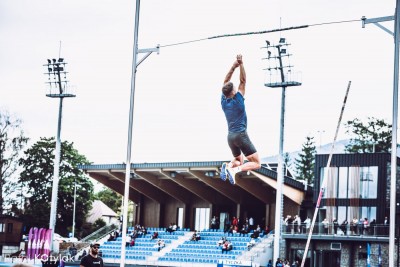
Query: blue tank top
[[235, 113]]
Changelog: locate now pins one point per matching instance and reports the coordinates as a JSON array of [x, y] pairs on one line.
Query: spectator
[[155, 235], [343, 226], [235, 221], [245, 230], [335, 226], [366, 226], [269, 263], [227, 224], [251, 244], [72, 250], [386, 223], [92, 259], [372, 226], [132, 243], [221, 241], [266, 230], [160, 244], [214, 222], [251, 223], [128, 241], [227, 246], [307, 224], [353, 226], [360, 226], [195, 236], [297, 224], [230, 231], [325, 225], [289, 223], [170, 228], [256, 232]]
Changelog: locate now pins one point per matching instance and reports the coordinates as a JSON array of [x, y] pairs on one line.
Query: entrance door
[[327, 258]]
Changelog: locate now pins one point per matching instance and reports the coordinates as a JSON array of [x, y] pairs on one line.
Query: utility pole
[[57, 89], [285, 81]]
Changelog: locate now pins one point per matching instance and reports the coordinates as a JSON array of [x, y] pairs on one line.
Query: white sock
[[230, 165], [238, 169]]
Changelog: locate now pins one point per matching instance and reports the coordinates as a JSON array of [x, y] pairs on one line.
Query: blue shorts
[[240, 142]]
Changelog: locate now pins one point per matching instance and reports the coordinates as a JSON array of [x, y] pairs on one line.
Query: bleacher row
[[205, 250]]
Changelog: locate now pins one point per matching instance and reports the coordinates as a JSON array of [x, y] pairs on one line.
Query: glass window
[[342, 186], [330, 183], [341, 214], [368, 182], [368, 212], [2, 227], [354, 182], [202, 219]]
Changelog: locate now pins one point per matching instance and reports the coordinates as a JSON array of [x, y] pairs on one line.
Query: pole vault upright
[[285, 81], [393, 161], [135, 64]]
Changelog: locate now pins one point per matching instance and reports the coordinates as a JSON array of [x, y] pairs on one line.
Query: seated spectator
[[132, 243], [221, 241], [195, 236], [226, 246], [144, 230], [160, 244], [244, 231], [155, 235], [251, 244], [170, 228]]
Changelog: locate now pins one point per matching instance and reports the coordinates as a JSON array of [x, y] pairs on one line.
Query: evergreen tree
[[373, 136], [37, 179], [306, 161]]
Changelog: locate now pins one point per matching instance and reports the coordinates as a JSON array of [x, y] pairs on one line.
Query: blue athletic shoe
[[231, 173], [223, 172]]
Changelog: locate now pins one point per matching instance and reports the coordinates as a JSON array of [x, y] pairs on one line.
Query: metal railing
[[376, 230], [100, 233]]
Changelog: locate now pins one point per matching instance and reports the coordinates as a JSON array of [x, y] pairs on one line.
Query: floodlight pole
[[393, 163], [280, 172], [54, 70], [135, 64]]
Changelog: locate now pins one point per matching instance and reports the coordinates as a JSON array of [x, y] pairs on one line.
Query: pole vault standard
[[135, 64], [324, 181], [393, 161]]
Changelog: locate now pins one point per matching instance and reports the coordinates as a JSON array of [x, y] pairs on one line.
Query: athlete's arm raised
[[242, 77], [230, 72]]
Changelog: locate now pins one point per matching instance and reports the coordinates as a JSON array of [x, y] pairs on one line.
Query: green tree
[[306, 161], [111, 198], [373, 136], [37, 178], [12, 141]]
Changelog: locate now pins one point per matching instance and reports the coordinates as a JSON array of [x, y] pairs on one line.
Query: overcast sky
[[177, 113]]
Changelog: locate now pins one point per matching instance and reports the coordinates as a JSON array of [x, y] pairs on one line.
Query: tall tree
[[306, 161], [37, 178], [12, 141], [111, 198], [373, 136]]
